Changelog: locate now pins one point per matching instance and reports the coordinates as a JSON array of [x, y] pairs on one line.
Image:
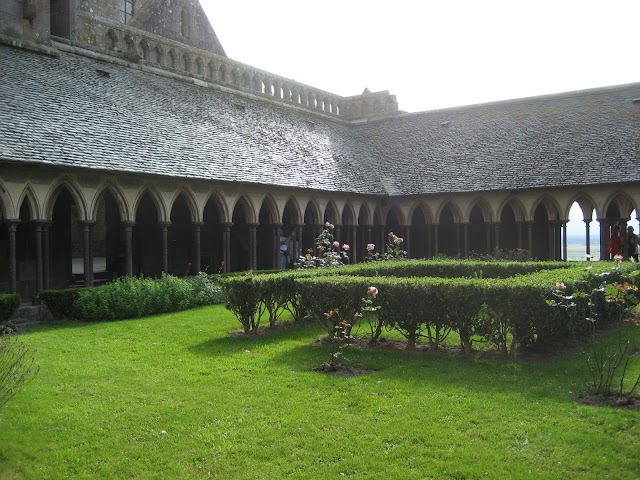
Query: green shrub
[[206, 289], [9, 302], [60, 302], [132, 297], [243, 298]]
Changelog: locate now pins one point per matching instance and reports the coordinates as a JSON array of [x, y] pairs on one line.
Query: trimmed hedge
[[132, 297], [60, 302], [507, 311], [9, 302]]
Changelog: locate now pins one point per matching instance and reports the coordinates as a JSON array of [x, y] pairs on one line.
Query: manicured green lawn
[[237, 407]]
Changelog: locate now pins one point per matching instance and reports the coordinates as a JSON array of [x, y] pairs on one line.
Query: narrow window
[[127, 8], [184, 24]]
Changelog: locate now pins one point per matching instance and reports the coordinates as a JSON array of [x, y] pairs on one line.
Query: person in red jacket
[[615, 243]]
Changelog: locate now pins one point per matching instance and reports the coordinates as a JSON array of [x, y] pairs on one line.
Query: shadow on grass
[[557, 380], [234, 341]]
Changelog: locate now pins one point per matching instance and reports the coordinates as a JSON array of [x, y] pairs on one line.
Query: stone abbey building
[[131, 144]]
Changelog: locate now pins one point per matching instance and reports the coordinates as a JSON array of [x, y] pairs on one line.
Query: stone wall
[[27, 20]]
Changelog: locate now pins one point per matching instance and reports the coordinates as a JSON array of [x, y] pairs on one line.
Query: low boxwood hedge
[[9, 302], [510, 308]]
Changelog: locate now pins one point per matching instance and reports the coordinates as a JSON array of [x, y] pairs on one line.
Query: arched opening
[[147, 240], [290, 222], [240, 260], [419, 234], [509, 235], [393, 224], [65, 241], [477, 232], [311, 228], [107, 240], [26, 253], [448, 241], [265, 237], [579, 246], [364, 233], [348, 232], [541, 234], [211, 249], [180, 239]]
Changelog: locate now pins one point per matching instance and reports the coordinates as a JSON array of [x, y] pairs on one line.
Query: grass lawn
[[180, 396]]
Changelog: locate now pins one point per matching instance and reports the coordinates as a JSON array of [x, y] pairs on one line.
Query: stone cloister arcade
[[59, 231]]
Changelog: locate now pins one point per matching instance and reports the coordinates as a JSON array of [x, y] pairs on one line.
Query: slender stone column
[[12, 226], [465, 234], [127, 226], [37, 231], [604, 239], [407, 239], [336, 233], [354, 244], [226, 245], [519, 233], [87, 227], [496, 227], [458, 249], [164, 234], [435, 240], [565, 247], [46, 254], [253, 246], [487, 232], [429, 242], [276, 246], [197, 229], [530, 238], [299, 241], [369, 230], [587, 227]]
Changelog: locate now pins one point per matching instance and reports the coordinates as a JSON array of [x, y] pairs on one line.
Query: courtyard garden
[[452, 370]]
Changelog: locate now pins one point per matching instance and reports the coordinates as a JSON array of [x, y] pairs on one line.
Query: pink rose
[[398, 240], [345, 247], [372, 292], [371, 247], [336, 244]]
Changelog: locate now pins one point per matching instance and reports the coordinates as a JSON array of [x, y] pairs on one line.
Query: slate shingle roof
[[580, 138], [62, 111]]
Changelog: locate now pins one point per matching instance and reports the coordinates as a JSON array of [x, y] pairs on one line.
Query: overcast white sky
[[437, 54]]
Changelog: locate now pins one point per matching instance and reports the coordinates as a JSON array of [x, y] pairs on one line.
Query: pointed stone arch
[[118, 196], [448, 221], [331, 213], [108, 243], [75, 192], [580, 246], [268, 220], [7, 205], [586, 203], [149, 247], [183, 246], [214, 217], [189, 198], [617, 211], [270, 206], [156, 198], [28, 194], [550, 204], [349, 231], [241, 249], [312, 225], [621, 203], [419, 240]]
